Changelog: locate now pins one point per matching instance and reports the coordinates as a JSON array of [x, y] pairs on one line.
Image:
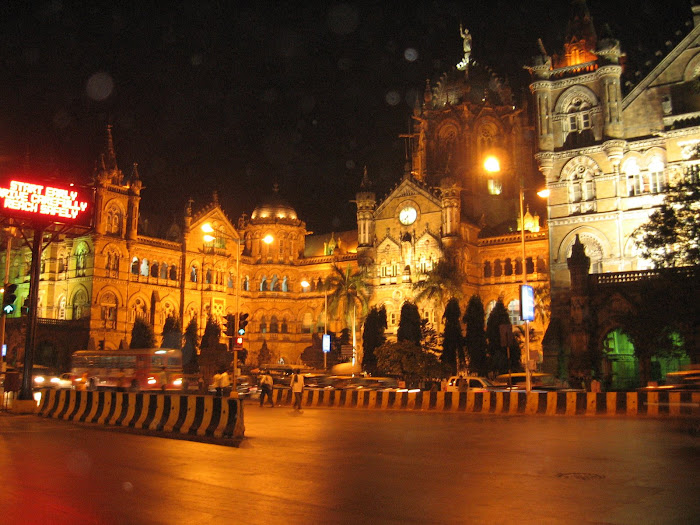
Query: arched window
[[497, 268], [274, 284], [108, 310], [306, 323], [632, 172], [164, 271], [173, 273], [529, 265], [657, 180], [487, 269], [514, 312], [139, 310], [81, 260], [285, 284], [154, 269], [541, 266], [114, 220], [62, 308], [518, 266], [229, 282], [284, 325], [246, 284], [263, 284], [208, 276], [135, 264], [263, 325], [193, 273], [144, 267], [80, 303], [508, 267], [274, 325]]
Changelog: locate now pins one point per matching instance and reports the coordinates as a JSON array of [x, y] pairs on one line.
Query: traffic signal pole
[[37, 246], [6, 281]]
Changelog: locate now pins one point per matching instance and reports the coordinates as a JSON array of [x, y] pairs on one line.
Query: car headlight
[[55, 380], [178, 382], [151, 380], [39, 379]]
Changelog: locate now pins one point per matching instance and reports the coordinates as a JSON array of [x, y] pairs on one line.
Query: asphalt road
[[355, 466]]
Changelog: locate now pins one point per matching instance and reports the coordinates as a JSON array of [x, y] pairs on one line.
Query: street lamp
[[528, 375], [208, 229], [305, 284]]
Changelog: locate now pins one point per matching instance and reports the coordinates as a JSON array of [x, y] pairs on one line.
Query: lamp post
[[528, 374], [208, 229], [305, 284]]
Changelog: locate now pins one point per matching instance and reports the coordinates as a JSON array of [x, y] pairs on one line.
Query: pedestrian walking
[[217, 384], [225, 383], [163, 376], [266, 389], [297, 386]]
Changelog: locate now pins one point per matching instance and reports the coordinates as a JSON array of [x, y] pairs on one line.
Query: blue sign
[[326, 343], [527, 302]]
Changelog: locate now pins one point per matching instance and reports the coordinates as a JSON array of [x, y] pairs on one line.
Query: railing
[[687, 272]]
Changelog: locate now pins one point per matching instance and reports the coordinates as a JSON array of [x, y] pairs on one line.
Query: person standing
[[266, 389], [297, 385]]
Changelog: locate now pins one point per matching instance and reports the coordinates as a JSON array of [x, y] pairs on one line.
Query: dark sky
[[211, 95]]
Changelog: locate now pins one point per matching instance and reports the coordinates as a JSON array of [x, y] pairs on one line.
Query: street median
[[170, 415], [654, 404]]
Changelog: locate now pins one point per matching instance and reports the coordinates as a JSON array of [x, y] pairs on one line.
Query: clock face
[[407, 215]]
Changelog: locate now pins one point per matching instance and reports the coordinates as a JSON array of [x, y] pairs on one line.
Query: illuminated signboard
[[527, 303], [326, 346], [45, 203]]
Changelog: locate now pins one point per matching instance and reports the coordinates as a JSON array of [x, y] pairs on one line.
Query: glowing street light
[[491, 164]]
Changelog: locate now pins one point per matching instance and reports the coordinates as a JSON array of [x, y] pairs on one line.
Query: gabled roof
[[692, 39], [408, 187]]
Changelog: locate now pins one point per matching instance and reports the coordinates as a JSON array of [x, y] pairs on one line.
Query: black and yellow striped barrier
[[545, 403], [184, 415]]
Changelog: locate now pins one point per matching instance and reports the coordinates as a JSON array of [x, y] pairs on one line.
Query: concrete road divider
[[545, 403], [185, 415]]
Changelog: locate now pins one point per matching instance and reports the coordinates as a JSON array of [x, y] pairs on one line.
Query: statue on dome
[[467, 46]]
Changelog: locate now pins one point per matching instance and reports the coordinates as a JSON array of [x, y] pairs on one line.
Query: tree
[[499, 336], [407, 360], [212, 335], [409, 324], [172, 334], [475, 340], [313, 355], [452, 356], [142, 335], [190, 363], [373, 337], [348, 290], [670, 237], [441, 284], [335, 356]]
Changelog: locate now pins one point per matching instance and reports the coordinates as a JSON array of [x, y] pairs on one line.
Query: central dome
[[275, 207]]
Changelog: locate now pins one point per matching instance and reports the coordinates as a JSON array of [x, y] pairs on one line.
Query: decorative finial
[[276, 187], [467, 46], [215, 197], [188, 207], [365, 184]]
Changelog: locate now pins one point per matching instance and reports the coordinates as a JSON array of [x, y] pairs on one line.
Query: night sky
[[217, 95]]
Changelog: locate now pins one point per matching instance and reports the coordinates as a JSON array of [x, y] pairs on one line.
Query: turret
[[366, 202]]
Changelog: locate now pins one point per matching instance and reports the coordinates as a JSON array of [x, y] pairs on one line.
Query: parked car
[[540, 382], [44, 377], [469, 384]]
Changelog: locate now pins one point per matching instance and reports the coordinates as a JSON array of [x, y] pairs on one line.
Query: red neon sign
[[45, 203]]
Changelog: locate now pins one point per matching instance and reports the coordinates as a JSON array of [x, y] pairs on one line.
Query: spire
[[111, 161], [215, 197], [580, 26], [366, 183]]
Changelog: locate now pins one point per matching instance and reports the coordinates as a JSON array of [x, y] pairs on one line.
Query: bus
[[133, 369]]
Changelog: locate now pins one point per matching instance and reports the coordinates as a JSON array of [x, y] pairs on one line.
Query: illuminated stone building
[[608, 149], [445, 202]]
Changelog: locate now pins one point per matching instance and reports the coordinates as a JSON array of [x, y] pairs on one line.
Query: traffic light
[[9, 298], [242, 323], [239, 342], [229, 323]]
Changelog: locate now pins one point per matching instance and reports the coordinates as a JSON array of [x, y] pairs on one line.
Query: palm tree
[[346, 291], [441, 284]]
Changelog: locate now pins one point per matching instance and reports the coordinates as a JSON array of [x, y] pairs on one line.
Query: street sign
[[527, 302], [45, 201], [346, 350], [326, 346]]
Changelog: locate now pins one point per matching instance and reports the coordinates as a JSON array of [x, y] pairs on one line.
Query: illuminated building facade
[[608, 150]]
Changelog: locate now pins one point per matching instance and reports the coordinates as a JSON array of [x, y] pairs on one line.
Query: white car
[[43, 379], [469, 384]]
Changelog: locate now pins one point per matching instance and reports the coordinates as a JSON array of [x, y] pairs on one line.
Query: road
[[355, 466]]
